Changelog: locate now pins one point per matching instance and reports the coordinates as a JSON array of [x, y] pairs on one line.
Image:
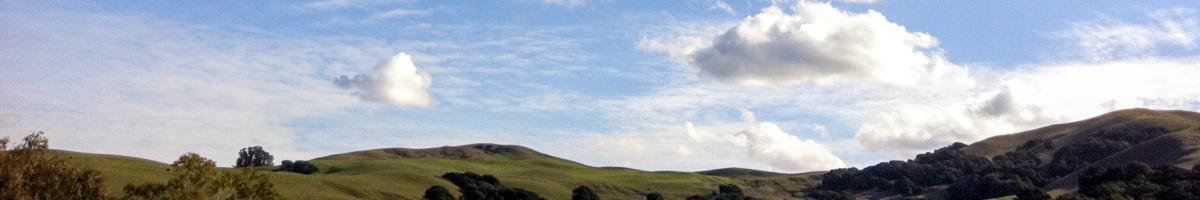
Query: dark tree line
[[299, 166], [479, 187], [1138, 180], [487, 187]]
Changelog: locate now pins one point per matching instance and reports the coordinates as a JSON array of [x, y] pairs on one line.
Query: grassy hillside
[[1179, 147], [1066, 133], [398, 173]]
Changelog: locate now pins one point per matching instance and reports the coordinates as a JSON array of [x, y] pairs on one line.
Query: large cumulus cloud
[[395, 81], [1033, 97], [820, 43]]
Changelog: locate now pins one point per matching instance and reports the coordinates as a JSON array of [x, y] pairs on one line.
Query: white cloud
[[567, 3], [721, 5], [398, 12], [395, 81], [1033, 97], [766, 142], [1109, 38], [818, 43], [860, 1]]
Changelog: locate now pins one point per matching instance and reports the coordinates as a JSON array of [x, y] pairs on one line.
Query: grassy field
[[406, 173]]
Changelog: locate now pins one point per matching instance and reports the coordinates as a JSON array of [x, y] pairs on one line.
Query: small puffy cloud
[[766, 142], [395, 81], [1034, 97], [817, 43], [1110, 38]]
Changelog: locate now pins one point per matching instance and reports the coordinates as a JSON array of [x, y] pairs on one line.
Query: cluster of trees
[[196, 177], [1019, 172], [299, 166], [487, 187], [1138, 180], [254, 156], [32, 171], [945, 166], [478, 187]]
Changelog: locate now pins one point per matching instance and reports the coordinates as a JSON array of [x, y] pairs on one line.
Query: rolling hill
[[400, 173], [1177, 145], [1151, 136]]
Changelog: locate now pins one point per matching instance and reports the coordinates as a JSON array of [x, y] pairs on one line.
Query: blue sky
[[661, 85]]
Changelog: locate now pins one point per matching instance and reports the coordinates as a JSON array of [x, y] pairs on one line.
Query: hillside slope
[[399, 173], [1173, 139]]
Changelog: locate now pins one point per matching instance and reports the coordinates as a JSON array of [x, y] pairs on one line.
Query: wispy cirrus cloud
[[1111, 38]]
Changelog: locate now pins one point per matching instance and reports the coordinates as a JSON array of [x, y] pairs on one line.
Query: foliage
[[486, 187], [196, 178], [437, 192], [1019, 172], [1138, 180], [254, 157], [724, 192], [584, 193], [654, 196], [30, 171], [299, 166]]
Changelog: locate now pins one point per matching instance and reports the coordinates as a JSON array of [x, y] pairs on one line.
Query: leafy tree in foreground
[[254, 157], [197, 178], [31, 171], [437, 192], [584, 193]]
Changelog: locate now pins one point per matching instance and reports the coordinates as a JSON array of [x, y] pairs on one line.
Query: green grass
[[377, 174]]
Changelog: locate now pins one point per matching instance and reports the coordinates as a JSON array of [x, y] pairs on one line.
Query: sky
[[688, 85]]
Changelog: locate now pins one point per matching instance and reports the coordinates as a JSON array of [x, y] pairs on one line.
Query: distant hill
[[402, 173]]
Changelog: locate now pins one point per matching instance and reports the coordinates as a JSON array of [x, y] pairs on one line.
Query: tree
[[654, 196], [32, 171], [584, 193], [254, 157], [196, 178], [437, 192]]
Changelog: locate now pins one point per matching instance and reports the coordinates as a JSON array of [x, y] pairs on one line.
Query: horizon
[[781, 86]]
